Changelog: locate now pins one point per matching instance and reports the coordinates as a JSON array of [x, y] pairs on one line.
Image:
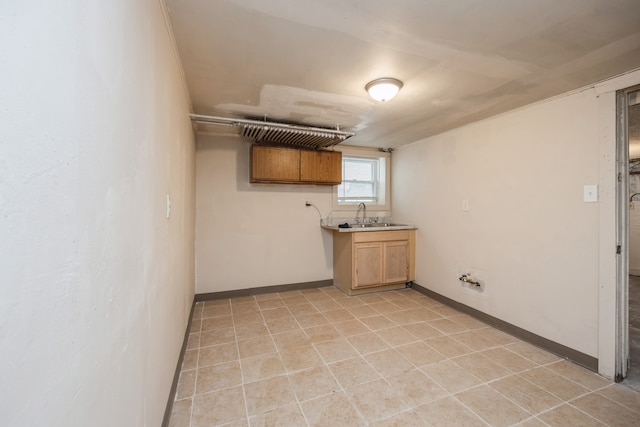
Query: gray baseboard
[[176, 375], [263, 290], [578, 357]]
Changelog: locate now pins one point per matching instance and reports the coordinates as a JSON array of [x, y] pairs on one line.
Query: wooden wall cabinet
[[295, 166], [370, 261], [274, 164], [321, 166]]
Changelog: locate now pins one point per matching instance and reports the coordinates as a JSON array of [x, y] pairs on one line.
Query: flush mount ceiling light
[[383, 89]]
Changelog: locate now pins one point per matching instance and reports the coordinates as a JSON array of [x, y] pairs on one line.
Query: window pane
[[358, 171], [358, 189]]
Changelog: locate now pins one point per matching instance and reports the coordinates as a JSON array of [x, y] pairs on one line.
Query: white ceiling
[[307, 61]]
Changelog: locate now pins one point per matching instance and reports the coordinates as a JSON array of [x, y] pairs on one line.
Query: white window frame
[[384, 180]]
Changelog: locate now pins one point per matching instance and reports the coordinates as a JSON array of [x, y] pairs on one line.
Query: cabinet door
[[396, 262], [323, 167], [367, 268], [274, 164]]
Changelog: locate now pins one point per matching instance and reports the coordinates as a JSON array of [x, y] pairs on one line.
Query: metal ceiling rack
[[279, 133]]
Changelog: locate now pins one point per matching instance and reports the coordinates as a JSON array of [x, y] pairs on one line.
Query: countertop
[[381, 227]]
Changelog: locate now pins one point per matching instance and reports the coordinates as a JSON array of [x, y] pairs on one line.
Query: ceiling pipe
[[225, 121]]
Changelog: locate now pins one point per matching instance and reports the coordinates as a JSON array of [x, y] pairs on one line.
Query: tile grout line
[[235, 335], [608, 398], [193, 398], [481, 418], [286, 373]]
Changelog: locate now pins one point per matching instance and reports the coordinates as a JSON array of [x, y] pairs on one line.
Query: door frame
[[622, 239], [622, 232]]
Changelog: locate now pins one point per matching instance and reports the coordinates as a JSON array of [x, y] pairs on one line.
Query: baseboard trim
[[263, 290], [176, 375], [578, 357]]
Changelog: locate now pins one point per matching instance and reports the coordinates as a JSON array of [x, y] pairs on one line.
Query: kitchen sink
[[377, 225], [373, 226]]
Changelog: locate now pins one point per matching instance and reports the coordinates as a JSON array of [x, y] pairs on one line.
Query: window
[[359, 180], [364, 180]]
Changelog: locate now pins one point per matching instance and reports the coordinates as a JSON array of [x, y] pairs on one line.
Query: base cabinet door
[[367, 269], [396, 262]]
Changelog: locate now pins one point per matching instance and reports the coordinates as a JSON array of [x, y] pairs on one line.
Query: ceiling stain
[[309, 60]]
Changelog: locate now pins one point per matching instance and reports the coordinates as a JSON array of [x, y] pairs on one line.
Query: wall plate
[[590, 193]]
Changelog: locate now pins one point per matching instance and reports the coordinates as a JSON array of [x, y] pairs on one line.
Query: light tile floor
[[319, 358]]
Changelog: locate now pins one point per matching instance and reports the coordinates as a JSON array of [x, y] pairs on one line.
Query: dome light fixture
[[383, 89]]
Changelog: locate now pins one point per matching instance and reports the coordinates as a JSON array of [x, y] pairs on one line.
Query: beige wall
[[255, 235], [96, 283], [545, 256]]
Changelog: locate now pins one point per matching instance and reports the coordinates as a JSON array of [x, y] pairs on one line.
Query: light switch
[[590, 193], [465, 205]]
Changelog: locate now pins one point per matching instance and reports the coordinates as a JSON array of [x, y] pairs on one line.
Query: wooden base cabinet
[[370, 261]]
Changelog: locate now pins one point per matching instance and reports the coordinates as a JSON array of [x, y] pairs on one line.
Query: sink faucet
[[364, 213]]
